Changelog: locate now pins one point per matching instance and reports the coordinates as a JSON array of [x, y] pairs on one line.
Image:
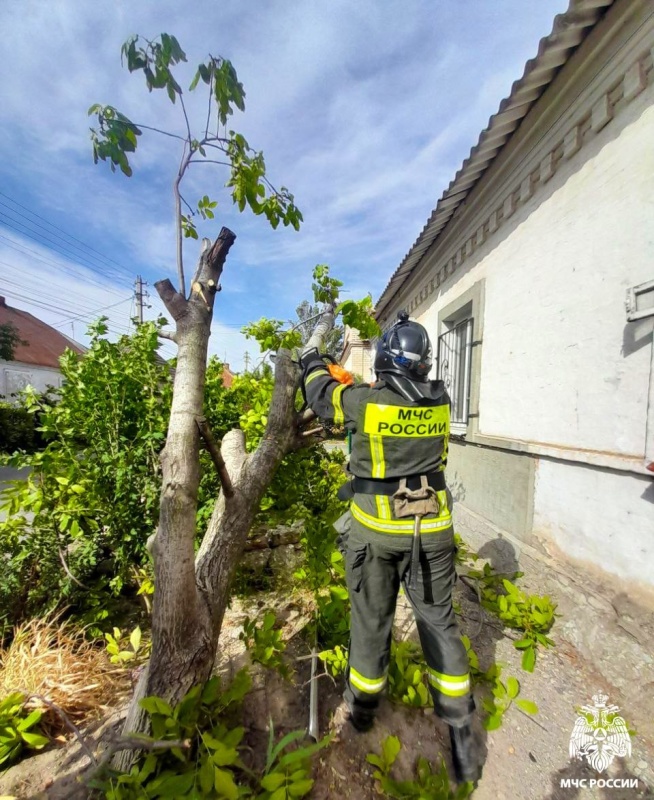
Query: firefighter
[[398, 530]]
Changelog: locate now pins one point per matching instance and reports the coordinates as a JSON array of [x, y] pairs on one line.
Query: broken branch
[[216, 456]]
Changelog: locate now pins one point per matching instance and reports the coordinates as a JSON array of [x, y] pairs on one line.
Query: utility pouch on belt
[[415, 502]]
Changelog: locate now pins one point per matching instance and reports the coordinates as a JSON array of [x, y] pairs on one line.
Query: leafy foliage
[[16, 728], [271, 335], [530, 613], [91, 500], [264, 642], [127, 648], [9, 341], [18, 429], [117, 136], [406, 675], [428, 783], [207, 763]]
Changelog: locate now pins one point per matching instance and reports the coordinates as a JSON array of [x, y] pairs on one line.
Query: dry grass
[[52, 658]]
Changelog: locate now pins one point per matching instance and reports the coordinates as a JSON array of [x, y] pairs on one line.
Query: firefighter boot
[[361, 717], [466, 756]]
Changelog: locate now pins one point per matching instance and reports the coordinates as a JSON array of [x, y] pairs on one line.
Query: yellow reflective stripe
[[442, 504], [318, 373], [451, 685], [383, 506], [399, 525], [367, 685], [339, 416], [377, 457]]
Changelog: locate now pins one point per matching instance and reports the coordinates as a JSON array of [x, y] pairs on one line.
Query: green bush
[[19, 429]]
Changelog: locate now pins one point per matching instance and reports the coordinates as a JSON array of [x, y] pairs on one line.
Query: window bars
[[454, 366]]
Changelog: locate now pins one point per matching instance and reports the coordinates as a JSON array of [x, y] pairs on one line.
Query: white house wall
[[556, 231], [556, 366], [15, 376], [554, 316], [598, 516]]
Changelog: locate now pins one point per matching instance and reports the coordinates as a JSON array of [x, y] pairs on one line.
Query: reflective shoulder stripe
[[451, 685], [399, 525], [339, 416], [367, 685], [317, 373]]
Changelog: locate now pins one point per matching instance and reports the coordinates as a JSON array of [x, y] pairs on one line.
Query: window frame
[[468, 305]]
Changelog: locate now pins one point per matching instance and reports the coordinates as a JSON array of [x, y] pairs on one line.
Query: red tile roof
[[228, 377], [45, 344]]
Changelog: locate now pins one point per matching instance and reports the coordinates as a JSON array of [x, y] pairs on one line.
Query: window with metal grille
[[454, 364]]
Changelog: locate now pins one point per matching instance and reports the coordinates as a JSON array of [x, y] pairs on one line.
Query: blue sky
[[365, 110]]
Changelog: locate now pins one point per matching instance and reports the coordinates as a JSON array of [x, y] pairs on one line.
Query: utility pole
[[246, 359], [139, 294]]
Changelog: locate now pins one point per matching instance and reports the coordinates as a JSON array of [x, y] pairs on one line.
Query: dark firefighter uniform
[[394, 438]]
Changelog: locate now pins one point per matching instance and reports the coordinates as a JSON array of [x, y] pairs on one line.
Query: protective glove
[[310, 359]]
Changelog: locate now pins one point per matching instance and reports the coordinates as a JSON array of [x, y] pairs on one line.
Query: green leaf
[[513, 687], [224, 784], [206, 775], [135, 638], [273, 781], [523, 643], [493, 722], [527, 705], [390, 749], [375, 760], [174, 785], [155, 705], [529, 659], [30, 720], [300, 788], [34, 740]]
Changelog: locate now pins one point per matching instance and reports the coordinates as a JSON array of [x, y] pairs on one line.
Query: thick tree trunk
[[182, 631], [192, 593]]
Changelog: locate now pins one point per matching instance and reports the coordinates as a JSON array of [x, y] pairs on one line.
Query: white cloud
[[365, 110]]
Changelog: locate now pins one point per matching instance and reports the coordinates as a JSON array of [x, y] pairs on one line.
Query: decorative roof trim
[[568, 32]]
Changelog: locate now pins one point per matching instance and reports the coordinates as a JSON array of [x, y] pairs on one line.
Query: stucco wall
[[554, 314], [496, 484], [14, 376], [560, 366], [556, 367], [599, 516]]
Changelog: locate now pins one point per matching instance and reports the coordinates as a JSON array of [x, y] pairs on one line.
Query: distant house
[[521, 274], [228, 376], [35, 363], [356, 356]]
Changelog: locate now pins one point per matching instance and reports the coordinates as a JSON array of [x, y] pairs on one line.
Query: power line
[[49, 307], [65, 233], [35, 255], [67, 296], [51, 244]]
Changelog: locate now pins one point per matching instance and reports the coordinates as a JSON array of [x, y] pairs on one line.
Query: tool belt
[[388, 487]]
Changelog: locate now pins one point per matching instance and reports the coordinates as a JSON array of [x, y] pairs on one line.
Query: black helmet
[[405, 350]]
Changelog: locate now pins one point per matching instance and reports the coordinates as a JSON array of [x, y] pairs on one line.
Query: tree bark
[[191, 594]]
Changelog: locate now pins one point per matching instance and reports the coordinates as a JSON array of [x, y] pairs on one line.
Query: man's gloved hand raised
[[311, 359]]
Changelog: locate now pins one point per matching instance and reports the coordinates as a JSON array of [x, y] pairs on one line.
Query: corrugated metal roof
[[568, 31], [44, 344]]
